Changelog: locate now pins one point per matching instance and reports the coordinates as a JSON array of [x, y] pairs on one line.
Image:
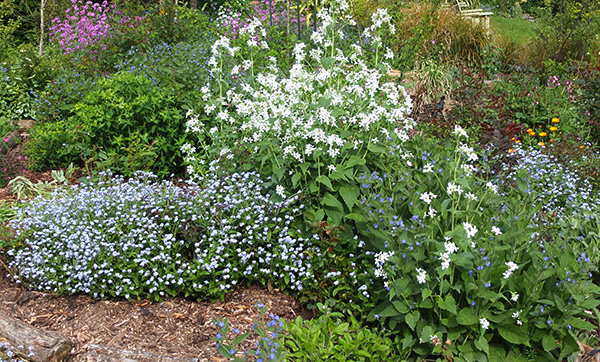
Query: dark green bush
[[54, 145], [123, 122]]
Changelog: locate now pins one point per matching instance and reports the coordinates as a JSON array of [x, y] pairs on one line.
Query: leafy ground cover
[[418, 227]]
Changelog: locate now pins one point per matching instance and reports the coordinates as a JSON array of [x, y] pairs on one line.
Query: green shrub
[[123, 114], [334, 336], [566, 32], [55, 145]]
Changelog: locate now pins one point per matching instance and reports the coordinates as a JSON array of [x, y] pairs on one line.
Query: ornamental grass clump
[[311, 127], [458, 258], [143, 238]]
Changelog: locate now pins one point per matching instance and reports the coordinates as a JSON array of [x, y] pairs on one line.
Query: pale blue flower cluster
[[142, 237], [559, 188]]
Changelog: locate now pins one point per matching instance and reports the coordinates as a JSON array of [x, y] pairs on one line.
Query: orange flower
[[511, 150], [529, 130], [553, 129], [532, 134], [543, 134], [551, 141], [542, 144], [518, 141], [581, 147], [555, 120]]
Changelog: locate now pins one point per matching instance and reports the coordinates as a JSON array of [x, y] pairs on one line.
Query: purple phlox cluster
[[86, 25]]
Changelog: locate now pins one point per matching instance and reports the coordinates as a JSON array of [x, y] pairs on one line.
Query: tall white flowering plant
[[313, 127], [457, 258]]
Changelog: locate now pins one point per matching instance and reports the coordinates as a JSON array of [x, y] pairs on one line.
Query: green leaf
[[426, 333], [350, 195], [401, 307], [354, 160], [466, 317], [355, 216], [448, 304], [376, 149], [411, 319], [426, 293], [237, 340], [549, 343], [325, 181], [579, 323], [330, 200], [513, 334], [496, 353], [589, 303], [482, 344], [324, 102], [295, 178]]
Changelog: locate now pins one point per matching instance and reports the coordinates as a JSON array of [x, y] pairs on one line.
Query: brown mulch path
[[175, 327]]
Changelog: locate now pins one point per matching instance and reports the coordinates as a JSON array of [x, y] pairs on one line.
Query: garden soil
[[175, 329]]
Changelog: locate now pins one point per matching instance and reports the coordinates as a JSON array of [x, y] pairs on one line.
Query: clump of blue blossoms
[[144, 238]]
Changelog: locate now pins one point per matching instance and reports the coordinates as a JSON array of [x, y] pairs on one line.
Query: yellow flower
[[581, 147], [541, 144], [532, 134], [529, 130], [553, 129], [555, 120], [543, 134], [511, 150]]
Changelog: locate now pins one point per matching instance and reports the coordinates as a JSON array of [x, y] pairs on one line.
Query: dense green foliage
[[465, 211]]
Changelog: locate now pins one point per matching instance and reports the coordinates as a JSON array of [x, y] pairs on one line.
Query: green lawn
[[519, 30]]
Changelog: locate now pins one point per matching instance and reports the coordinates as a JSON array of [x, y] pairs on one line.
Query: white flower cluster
[[451, 248], [512, 266], [380, 259], [421, 275], [295, 112]]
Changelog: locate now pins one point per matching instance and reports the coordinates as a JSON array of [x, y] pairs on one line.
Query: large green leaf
[[325, 181], [466, 317], [350, 195], [449, 303], [513, 334]]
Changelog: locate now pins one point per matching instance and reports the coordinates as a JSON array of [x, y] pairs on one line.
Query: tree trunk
[[42, 6], [47, 346]]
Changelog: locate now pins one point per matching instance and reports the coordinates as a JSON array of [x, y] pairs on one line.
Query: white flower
[[431, 213], [428, 197], [280, 190], [389, 54], [515, 315], [470, 229], [428, 168], [458, 130], [451, 248], [492, 187], [511, 268], [471, 196], [331, 167], [485, 324], [452, 188], [515, 297], [421, 275], [496, 230], [468, 151]]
